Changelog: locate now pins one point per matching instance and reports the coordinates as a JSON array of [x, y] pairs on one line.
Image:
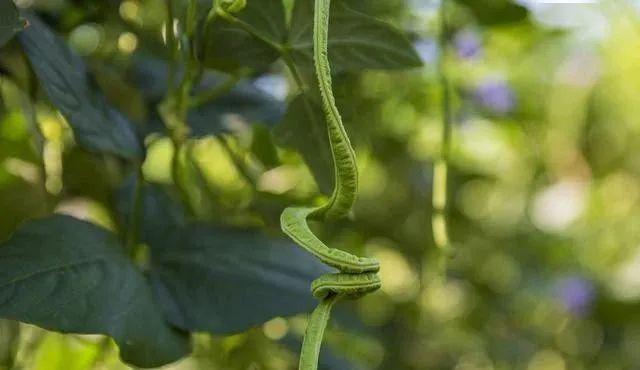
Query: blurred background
[[544, 188]]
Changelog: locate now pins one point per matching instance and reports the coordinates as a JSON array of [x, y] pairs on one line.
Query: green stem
[[314, 334], [175, 106], [172, 46], [440, 171], [238, 162], [219, 89], [39, 141], [135, 213], [247, 28], [291, 65]]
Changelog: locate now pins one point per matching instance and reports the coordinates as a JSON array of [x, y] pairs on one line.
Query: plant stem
[[172, 46], [291, 65], [135, 212], [440, 170], [218, 90], [238, 162], [174, 107], [314, 334], [247, 28]]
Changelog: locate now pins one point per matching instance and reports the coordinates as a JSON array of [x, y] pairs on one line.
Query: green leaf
[[216, 279], [356, 40], [303, 129], [225, 280], [63, 74], [10, 22], [70, 276], [494, 12], [229, 46]]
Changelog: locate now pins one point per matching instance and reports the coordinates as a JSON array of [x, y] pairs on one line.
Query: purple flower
[[496, 96], [576, 294], [467, 44]]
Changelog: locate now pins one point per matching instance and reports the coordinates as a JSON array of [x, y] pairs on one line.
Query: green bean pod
[[356, 276]]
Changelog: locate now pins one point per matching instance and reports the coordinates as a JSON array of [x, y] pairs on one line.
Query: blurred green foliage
[[544, 194]]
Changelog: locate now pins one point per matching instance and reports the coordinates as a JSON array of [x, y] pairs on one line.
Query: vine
[[441, 165], [357, 276]]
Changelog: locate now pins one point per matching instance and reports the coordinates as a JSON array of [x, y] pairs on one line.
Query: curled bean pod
[[357, 276]]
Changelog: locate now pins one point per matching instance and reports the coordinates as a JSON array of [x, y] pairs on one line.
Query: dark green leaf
[[230, 46], [225, 280], [10, 22], [356, 40], [96, 125], [493, 12], [68, 275], [303, 129]]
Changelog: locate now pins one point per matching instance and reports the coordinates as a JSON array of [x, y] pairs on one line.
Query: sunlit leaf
[[63, 74], [70, 276]]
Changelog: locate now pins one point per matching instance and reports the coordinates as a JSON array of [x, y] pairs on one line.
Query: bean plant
[[165, 270]]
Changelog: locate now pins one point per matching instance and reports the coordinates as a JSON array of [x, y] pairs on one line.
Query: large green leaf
[[219, 279], [70, 276], [230, 46], [225, 280], [304, 129], [356, 40], [10, 22], [96, 125]]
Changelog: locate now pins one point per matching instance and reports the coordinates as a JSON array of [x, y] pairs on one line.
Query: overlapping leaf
[[67, 275], [63, 74]]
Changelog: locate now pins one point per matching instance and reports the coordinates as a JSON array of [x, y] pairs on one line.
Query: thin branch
[[440, 170]]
